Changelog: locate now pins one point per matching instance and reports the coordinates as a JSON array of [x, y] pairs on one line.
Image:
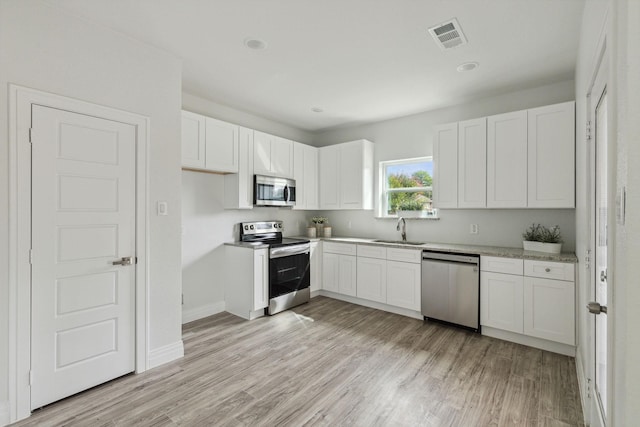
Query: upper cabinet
[[445, 166], [472, 163], [209, 144], [346, 175], [305, 173], [273, 155], [193, 126], [238, 187], [514, 160], [551, 155], [507, 160]]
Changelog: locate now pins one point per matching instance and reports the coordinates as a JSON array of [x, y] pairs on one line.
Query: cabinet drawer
[[501, 265], [549, 270], [339, 248], [404, 255], [369, 251]]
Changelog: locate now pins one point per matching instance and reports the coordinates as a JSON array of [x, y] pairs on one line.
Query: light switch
[[163, 209]]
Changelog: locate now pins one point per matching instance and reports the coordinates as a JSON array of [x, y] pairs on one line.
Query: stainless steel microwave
[[272, 191]]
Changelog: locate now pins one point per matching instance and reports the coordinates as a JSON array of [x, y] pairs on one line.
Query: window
[[406, 185]]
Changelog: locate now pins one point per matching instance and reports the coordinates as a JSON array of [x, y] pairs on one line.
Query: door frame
[[20, 102]]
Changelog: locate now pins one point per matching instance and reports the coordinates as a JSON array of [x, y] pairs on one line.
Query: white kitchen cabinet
[[403, 284], [346, 175], [507, 160], [315, 266], [549, 309], [551, 156], [445, 166], [209, 144], [238, 187], [472, 163], [273, 155], [193, 140], [372, 279], [339, 267], [305, 173], [246, 281], [501, 301], [221, 146]]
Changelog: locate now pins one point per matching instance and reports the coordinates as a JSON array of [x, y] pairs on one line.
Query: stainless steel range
[[289, 277]]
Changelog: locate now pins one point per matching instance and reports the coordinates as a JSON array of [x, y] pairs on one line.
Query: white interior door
[[600, 207], [83, 220]]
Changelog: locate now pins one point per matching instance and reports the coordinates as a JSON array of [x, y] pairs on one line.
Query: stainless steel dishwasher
[[451, 288]]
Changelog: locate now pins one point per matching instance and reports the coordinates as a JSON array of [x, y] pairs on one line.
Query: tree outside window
[[407, 185]]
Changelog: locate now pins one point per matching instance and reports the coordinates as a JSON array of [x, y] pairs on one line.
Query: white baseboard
[[554, 347], [582, 388], [372, 304], [165, 354], [4, 413], [202, 312]]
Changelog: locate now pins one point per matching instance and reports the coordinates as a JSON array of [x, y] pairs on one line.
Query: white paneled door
[[83, 221]]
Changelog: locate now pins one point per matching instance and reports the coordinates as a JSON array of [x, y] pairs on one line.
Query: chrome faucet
[[404, 228]]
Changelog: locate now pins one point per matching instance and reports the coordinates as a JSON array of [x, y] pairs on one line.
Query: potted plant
[[410, 208], [539, 238], [319, 222]]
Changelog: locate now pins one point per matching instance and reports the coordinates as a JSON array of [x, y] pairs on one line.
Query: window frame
[[384, 181]]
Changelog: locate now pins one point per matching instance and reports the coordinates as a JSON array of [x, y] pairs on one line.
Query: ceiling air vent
[[448, 34]]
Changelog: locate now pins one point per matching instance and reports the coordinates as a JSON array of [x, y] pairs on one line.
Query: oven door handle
[[289, 250]]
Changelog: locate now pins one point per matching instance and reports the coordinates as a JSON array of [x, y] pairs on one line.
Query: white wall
[[412, 136], [207, 225], [49, 50], [624, 278], [592, 29]]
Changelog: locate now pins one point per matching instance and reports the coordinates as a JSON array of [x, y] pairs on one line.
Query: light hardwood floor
[[336, 364]]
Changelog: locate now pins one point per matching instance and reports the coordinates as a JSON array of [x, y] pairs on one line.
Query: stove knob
[[279, 225], [246, 227], [251, 227]]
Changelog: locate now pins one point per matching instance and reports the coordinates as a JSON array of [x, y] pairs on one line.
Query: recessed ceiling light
[[317, 110], [255, 44], [467, 66]]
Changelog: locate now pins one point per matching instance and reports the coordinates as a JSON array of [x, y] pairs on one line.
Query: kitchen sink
[[398, 242]]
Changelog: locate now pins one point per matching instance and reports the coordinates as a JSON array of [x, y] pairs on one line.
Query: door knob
[[595, 308], [128, 260]]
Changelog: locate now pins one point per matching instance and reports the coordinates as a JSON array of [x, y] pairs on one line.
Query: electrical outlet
[[473, 229]]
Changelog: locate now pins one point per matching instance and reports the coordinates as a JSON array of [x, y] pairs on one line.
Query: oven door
[[288, 269], [272, 191]]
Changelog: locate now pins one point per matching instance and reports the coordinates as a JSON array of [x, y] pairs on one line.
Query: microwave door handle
[[286, 193]]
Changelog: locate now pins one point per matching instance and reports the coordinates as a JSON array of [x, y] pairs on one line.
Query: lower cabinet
[[315, 266], [372, 279], [339, 268], [526, 297], [246, 289], [403, 285]]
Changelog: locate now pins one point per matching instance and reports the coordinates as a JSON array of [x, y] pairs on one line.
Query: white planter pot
[[410, 214], [550, 248]]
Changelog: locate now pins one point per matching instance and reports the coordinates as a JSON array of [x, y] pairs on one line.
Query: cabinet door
[[347, 267], [507, 160], [445, 166], [472, 163], [329, 177], [299, 175], [403, 285], [330, 276], [262, 153], [221, 140], [282, 157], [551, 160], [193, 140], [501, 301], [351, 172], [372, 279], [238, 187], [315, 266], [260, 279], [310, 177], [549, 309]]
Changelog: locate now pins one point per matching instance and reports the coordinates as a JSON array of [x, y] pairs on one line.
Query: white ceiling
[[358, 60]]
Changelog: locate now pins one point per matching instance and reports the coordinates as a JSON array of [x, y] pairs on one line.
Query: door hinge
[[588, 130], [30, 377], [30, 135], [30, 256]]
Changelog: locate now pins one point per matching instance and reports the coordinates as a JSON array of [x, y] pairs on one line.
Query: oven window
[[288, 274]]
